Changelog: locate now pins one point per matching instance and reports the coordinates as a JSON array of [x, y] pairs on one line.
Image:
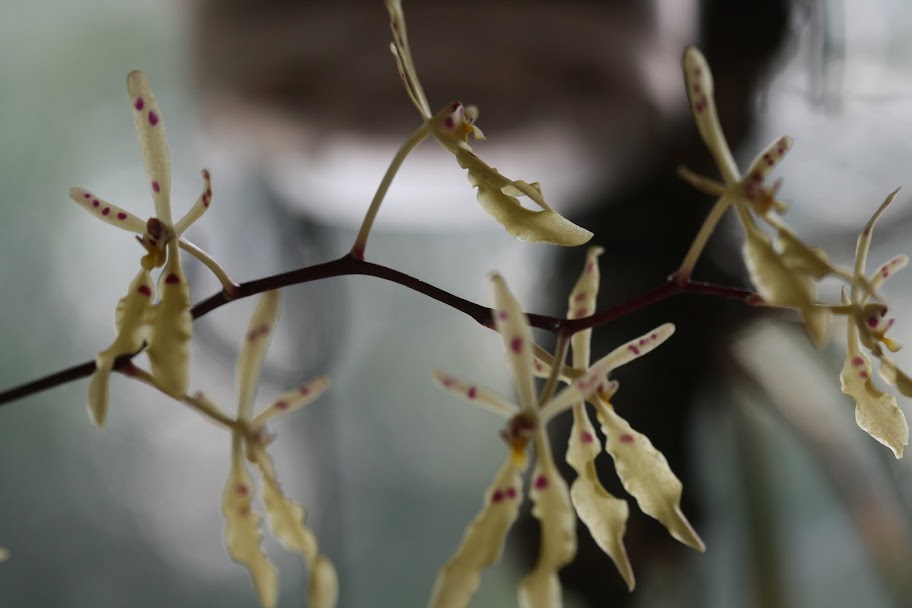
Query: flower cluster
[[642, 468], [786, 273], [164, 329]]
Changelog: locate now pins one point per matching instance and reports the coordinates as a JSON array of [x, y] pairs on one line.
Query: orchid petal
[[199, 207], [482, 544], [404, 58], [876, 412], [253, 349], [242, 528], [800, 258], [594, 379], [130, 321], [476, 394], [551, 506], [286, 520], [546, 225], [864, 239], [106, 212], [172, 328], [645, 473], [582, 304], [150, 129], [895, 376], [780, 285], [700, 92], [767, 160], [513, 325], [294, 399], [887, 270]]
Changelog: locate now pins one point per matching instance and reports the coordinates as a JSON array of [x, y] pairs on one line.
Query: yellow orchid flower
[[167, 325], [553, 505]]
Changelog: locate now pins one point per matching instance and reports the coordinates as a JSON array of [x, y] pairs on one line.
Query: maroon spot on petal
[[872, 321], [95, 202], [885, 273], [282, 405], [106, 211], [590, 266], [769, 159], [242, 489], [153, 118], [86, 195], [172, 279], [145, 290], [642, 341], [632, 348], [582, 312], [448, 123], [304, 390], [497, 496], [243, 511], [653, 336], [447, 381], [155, 187], [698, 72], [541, 482], [579, 297], [121, 216], [472, 392], [511, 492], [857, 361], [516, 345], [502, 315], [139, 104], [696, 87], [863, 375], [587, 437], [626, 438]]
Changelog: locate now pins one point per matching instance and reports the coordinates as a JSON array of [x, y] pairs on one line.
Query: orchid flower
[[483, 542], [875, 411], [167, 325], [784, 273], [643, 470], [497, 194], [285, 516]]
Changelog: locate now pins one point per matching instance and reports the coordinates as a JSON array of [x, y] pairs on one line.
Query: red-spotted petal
[[150, 129], [106, 212]]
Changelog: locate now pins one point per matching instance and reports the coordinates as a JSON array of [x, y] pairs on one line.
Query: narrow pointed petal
[[864, 239], [545, 226], [476, 394], [582, 304], [876, 412], [780, 285], [242, 529], [130, 322], [172, 328], [253, 349], [294, 399], [483, 542], [888, 270], [604, 514], [199, 207], [404, 58], [513, 325], [150, 129], [594, 379], [700, 92], [106, 212], [645, 473], [552, 507], [766, 161], [286, 520]]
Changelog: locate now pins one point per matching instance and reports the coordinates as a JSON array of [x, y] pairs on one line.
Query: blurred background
[[296, 109]]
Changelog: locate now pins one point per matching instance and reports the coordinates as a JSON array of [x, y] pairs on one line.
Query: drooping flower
[[167, 325], [250, 438], [875, 411], [643, 470], [527, 422], [497, 194], [786, 272]]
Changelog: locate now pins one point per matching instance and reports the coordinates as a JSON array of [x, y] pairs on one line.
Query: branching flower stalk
[[783, 269]]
